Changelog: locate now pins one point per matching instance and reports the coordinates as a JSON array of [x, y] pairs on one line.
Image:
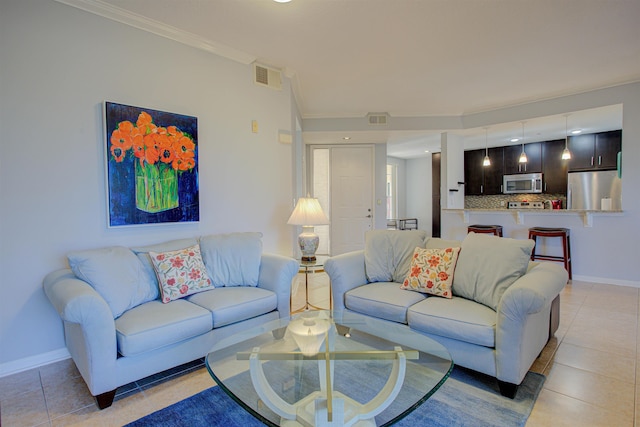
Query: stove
[[526, 205]]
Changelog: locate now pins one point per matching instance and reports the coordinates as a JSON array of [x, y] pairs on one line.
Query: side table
[[310, 267]]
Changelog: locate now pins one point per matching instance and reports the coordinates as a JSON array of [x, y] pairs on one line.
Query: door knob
[[368, 216]]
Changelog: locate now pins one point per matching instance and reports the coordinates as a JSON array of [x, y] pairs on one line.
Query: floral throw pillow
[[180, 273], [431, 271]]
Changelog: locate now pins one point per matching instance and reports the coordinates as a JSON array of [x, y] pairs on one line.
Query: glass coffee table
[[329, 368]]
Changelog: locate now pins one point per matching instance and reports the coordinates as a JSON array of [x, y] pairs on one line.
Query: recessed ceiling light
[[346, 138], [426, 151], [282, 1], [515, 139], [577, 131]]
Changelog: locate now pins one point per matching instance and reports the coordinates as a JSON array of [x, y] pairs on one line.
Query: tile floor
[[590, 367]]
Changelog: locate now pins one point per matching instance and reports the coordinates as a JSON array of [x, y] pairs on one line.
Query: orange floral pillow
[[180, 273], [431, 271]]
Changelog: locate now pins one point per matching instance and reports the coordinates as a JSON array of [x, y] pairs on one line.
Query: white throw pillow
[[116, 274], [488, 265], [232, 259], [388, 253]]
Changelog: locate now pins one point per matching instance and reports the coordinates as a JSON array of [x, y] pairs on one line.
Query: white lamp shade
[[308, 212]]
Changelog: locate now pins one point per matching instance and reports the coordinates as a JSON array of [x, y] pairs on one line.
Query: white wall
[[58, 65], [419, 192]]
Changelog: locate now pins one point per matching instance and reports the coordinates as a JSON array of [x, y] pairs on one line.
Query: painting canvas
[[151, 167]]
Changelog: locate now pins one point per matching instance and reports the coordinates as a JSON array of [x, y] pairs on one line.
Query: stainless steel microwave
[[522, 183]]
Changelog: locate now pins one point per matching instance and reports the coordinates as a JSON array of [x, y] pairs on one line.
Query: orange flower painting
[[151, 166]]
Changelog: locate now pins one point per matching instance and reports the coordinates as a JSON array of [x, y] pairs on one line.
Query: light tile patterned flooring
[[590, 367]]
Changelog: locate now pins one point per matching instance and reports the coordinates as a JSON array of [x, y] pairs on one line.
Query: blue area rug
[[465, 399]]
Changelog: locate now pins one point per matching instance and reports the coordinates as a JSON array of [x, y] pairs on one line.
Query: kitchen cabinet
[[554, 169], [483, 180], [492, 175], [534, 158], [473, 174], [596, 151]]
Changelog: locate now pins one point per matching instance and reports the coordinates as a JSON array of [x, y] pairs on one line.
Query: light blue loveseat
[[118, 330], [498, 319]]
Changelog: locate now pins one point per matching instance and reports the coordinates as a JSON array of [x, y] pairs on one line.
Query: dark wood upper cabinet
[[608, 145], [554, 169], [492, 182], [479, 179], [473, 173], [534, 158], [582, 149], [595, 151]]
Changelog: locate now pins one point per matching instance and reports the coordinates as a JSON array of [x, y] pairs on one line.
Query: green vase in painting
[[156, 187]]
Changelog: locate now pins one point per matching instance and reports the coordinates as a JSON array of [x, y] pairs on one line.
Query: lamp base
[[308, 241]]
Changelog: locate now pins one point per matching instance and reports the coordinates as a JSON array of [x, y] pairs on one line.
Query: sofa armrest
[[522, 328], [533, 291], [276, 274], [346, 271], [90, 331]]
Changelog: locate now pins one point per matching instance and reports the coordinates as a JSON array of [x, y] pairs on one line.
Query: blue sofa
[[118, 329], [497, 320]]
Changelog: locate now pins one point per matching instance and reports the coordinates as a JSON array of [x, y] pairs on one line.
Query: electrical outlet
[[502, 203]]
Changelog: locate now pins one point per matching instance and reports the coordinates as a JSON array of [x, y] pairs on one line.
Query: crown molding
[[118, 14]]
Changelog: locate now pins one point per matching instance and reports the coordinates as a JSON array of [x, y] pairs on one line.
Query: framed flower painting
[[151, 166]]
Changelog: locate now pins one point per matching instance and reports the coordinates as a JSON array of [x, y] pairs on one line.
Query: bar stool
[[563, 233], [489, 229]]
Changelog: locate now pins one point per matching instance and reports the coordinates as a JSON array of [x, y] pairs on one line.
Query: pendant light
[[566, 154], [486, 161], [523, 155]]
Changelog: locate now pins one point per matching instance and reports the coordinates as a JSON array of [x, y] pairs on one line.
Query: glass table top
[[322, 367]]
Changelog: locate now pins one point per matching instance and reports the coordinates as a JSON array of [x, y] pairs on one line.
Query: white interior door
[[351, 178]]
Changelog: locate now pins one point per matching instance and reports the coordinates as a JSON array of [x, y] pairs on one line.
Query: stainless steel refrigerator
[[601, 190]]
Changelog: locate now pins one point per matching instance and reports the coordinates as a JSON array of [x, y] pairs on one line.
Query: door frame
[[311, 176]]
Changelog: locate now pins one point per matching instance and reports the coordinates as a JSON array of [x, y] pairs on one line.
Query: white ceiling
[[417, 58]]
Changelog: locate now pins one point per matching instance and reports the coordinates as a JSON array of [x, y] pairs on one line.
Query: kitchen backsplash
[[500, 201]]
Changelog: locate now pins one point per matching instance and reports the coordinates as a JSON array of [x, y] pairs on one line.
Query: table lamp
[[308, 213]]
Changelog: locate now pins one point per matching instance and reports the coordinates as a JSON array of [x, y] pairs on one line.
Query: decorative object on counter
[[564, 234], [308, 213], [553, 204], [523, 155], [566, 154], [486, 161], [487, 229]]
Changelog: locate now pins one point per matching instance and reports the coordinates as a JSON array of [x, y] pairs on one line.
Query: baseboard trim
[[608, 281], [32, 362]]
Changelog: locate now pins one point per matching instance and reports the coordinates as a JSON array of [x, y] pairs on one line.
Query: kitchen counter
[[519, 214]]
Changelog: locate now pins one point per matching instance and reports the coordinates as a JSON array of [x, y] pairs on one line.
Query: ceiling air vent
[[266, 76], [377, 118]]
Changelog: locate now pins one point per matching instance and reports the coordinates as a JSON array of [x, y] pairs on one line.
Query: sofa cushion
[[116, 274], [384, 300], [232, 259], [180, 273], [142, 252], [488, 265], [438, 243], [387, 253], [432, 271], [233, 304], [457, 318], [154, 324]]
